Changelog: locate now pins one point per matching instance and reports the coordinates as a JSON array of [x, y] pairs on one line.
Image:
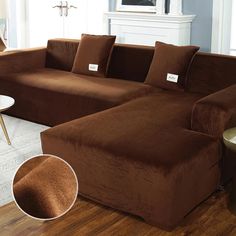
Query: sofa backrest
[[208, 72], [127, 62], [61, 53], [130, 62], [211, 72]]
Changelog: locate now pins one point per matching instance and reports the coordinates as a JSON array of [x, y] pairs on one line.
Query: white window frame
[[221, 26]]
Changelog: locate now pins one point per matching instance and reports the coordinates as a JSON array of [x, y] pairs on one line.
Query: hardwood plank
[[211, 218]]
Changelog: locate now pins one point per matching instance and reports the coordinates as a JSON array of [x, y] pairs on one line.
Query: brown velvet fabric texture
[[140, 157], [151, 119], [215, 113], [28, 167], [93, 49], [61, 53], [47, 190], [54, 96], [22, 60], [210, 73], [170, 59], [128, 62]]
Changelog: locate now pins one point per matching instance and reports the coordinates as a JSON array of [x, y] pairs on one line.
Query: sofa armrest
[[21, 60], [215, 112]]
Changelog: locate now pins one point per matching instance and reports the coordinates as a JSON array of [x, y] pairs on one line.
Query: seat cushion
[[52, 96], [153, 129]]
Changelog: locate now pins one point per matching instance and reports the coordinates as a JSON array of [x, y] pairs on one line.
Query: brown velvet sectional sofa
[[152, 152]]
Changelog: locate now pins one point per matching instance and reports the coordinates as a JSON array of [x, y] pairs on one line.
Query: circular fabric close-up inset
[[45, 187]]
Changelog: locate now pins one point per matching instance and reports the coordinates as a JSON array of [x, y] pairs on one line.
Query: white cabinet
[[63, 19], [146, 28]]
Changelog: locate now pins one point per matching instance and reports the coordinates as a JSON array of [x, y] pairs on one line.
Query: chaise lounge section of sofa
[[141, 157], [152, 152]]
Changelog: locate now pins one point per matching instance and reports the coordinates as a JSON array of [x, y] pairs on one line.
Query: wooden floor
[[87, 218]]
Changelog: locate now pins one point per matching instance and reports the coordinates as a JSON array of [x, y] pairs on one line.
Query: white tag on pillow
[[172, 78], [93, 67]]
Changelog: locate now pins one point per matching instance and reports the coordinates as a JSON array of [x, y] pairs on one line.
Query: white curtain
[[3, 13], [233, 30], [2, 9]]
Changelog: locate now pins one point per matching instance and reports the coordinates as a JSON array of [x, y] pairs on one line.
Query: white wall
[[202, 24], [97, 23]]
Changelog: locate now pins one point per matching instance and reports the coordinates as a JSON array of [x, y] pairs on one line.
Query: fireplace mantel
[[146, 28]]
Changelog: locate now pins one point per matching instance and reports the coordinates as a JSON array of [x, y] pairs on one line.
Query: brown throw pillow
[[170, 64], [93, 54]]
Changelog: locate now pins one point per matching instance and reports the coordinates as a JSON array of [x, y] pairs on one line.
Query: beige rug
[[25, 138]]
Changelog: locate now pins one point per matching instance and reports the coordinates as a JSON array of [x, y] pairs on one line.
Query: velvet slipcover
[[128, 62], [140, 154], [171, 60], [215, 113], [141, 157], [67, 96], [22, 60], [93, 50], [45, 187], [208, 73]]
